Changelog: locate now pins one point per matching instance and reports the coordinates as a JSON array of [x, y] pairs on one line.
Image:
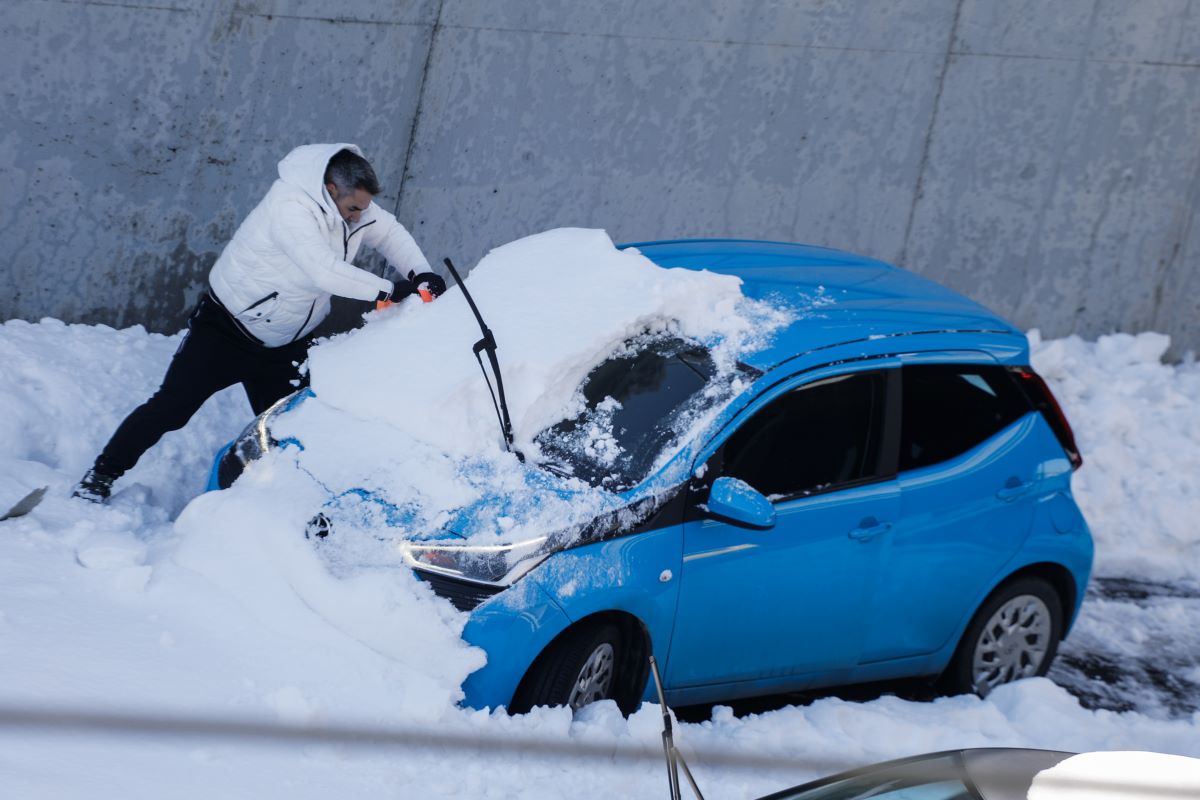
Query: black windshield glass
[[634, 403]]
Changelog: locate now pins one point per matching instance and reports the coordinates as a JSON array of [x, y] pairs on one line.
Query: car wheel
[[580, 667], [1014, 635]]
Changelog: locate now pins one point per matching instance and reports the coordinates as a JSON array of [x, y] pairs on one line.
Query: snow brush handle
[[426, 297]]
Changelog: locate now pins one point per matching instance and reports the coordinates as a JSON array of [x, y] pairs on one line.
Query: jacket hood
[[305, 166]]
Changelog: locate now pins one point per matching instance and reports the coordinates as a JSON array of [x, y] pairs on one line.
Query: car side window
[[950, 408], [813, 438]]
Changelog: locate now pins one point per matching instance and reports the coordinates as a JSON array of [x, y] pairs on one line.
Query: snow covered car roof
[[848, 297]]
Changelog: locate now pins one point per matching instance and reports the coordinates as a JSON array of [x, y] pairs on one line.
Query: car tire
[[578, 668], [1014, 634]]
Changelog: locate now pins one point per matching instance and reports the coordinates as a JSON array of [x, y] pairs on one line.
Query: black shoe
[[95, 486]]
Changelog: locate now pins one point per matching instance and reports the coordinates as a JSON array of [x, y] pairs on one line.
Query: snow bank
[[244, 542], [1137, 423], [65, 388]]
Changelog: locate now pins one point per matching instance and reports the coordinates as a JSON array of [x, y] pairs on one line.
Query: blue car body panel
[[787, 601], [522, 620], [823, 596], [954, 536], [624, 575], [212, 472], [842, 297]]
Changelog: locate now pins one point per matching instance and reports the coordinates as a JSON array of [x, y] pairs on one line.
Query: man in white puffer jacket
[[269, 289]]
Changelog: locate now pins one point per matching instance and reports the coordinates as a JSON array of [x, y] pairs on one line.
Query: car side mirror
[[735, 501]]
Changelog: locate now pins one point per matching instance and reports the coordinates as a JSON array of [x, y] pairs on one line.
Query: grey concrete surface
[[137, 136], [1043, 158]]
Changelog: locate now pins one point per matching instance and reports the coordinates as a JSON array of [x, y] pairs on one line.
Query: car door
[[789, 600], [968, 472]]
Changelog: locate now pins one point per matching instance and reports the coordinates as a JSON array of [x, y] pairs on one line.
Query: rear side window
[[950, 408], [812, 439]]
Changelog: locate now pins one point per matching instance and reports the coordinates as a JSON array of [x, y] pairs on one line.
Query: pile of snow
[[1137, 423], [558, 302], [402, 411], [226, 610], [65, 388]]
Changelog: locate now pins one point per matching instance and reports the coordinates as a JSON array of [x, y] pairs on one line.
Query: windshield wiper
[[556, 468], [488, 345]]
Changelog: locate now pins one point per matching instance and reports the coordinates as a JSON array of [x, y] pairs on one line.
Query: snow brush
[[426, 297], [26, 504]]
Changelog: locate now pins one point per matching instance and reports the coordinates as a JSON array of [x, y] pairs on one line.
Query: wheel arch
[[1059, 578], [634, 668], [1055, 576]]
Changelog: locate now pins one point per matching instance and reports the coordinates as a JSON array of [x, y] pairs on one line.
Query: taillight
[[1043, 400]]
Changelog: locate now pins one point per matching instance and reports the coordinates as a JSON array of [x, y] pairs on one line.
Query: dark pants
[[214, 354]]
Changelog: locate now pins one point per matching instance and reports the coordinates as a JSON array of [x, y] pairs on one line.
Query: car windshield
[[633, 406]]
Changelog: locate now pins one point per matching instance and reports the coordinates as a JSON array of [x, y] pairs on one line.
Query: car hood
[[543, 504], [492, 500], [512, 505]]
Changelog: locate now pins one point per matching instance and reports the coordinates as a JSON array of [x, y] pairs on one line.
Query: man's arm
[[296, 232], [396, 244]]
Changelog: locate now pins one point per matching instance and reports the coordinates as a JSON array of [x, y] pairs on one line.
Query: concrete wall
[[1043, 158]]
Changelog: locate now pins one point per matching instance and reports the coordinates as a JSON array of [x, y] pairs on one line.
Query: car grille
[[463, 595]]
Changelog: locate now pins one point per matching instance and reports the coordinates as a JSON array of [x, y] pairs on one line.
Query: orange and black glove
[[428, 284]]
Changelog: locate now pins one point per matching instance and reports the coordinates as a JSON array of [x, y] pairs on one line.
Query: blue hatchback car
[[888, 494]]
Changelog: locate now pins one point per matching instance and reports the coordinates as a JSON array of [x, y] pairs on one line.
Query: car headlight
[[498, 565]]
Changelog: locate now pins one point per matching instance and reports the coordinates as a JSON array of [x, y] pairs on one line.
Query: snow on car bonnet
[[558, 302], [402, 434]]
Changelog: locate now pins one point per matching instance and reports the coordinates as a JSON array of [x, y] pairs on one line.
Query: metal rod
[[688, 773], [28, 720], [667, 734]]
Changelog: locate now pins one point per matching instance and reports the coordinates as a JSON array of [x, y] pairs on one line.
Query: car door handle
[[869, 530], [1014, 488]]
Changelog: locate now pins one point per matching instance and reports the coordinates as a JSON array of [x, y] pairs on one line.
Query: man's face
[[350, 204]]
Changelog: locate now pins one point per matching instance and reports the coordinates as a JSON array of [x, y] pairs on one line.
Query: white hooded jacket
[[294, 250]]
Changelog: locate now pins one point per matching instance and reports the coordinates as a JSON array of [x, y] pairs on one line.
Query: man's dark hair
[[349, 171]]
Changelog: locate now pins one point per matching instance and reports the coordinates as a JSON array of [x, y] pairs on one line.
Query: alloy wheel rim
[[1013, 643], [594, 679]]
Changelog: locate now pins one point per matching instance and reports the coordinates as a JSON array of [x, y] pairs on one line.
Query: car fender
[[636, 575], [1071, 549], [512, 628], [1061, 536], [213, 485]]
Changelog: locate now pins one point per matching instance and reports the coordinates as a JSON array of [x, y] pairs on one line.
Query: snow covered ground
[[142, 606]]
